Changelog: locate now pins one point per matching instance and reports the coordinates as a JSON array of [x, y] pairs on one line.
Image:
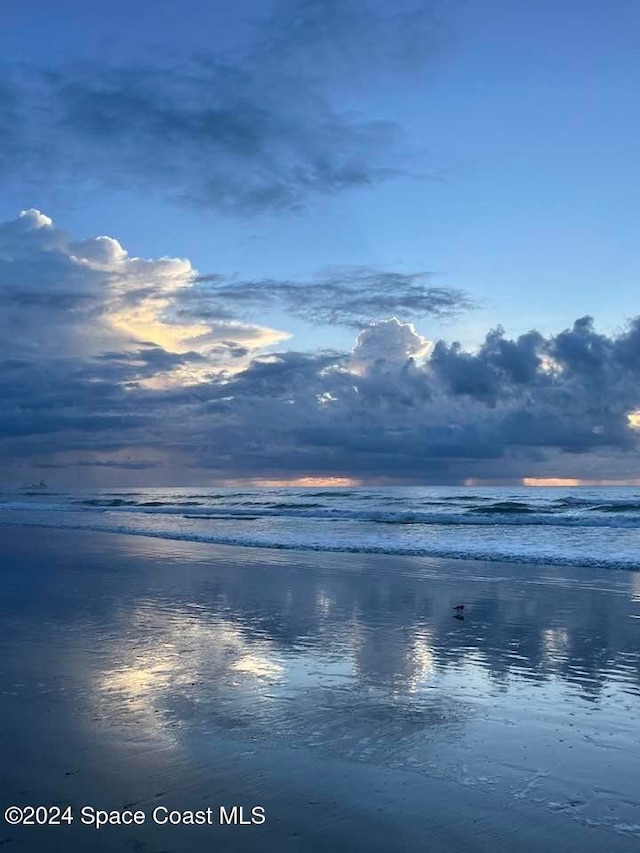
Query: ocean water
[[597, 527]]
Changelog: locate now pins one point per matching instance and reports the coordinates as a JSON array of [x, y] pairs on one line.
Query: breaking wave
[[589, 527]]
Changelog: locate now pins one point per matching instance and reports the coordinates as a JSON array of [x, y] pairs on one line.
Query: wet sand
[[337, 691]]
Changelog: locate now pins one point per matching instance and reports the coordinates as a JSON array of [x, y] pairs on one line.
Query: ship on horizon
[[38, 487]]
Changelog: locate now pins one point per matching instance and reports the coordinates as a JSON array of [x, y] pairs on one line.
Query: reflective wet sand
[[338, 691]]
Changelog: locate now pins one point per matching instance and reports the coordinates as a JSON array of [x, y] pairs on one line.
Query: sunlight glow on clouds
[[296, 482], [570, 482], [116, 300]]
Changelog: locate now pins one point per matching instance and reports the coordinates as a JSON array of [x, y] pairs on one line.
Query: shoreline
[[538, 561]]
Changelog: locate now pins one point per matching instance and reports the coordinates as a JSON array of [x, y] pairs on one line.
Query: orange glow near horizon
[[296, 482], [551, 481], [575, 481]]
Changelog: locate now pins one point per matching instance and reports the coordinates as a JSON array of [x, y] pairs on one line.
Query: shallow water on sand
[[533, 695]]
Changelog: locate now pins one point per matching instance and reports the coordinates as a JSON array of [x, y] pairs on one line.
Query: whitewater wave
[[492, 555], [596, 527]]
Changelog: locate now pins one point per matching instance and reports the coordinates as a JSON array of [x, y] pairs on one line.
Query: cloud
[[388, 342], [108, 361], [343, 36], [532, 406], [81, 298], [268, 128], [46, 275], [345, 296]]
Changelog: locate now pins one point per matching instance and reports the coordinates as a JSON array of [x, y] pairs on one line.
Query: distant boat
[[36, 487]]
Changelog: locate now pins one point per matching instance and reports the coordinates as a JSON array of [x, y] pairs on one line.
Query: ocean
[[597, 527]]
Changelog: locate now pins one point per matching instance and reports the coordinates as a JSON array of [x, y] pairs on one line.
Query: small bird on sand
[[458, 611]]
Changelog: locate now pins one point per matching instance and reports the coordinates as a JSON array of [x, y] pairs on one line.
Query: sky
[[309, 240]]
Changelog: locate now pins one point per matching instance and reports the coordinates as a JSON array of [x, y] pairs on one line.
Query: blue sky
[[524, 125], [497, 143]]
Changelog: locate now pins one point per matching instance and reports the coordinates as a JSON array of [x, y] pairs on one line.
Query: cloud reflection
[[191, 647], [269, 646]]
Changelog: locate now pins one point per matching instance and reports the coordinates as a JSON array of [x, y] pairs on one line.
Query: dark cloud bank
[[499, 412], [512, 409], [79, 389]]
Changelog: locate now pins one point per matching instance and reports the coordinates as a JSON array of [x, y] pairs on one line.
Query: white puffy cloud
[[77, 298], [388, 342]]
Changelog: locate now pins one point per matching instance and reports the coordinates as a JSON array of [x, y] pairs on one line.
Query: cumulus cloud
[[500, 412], [100, 368], [62, 297], [388, 342], [265, 128]]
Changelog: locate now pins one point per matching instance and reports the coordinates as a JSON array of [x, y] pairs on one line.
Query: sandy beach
[[338, 692]]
